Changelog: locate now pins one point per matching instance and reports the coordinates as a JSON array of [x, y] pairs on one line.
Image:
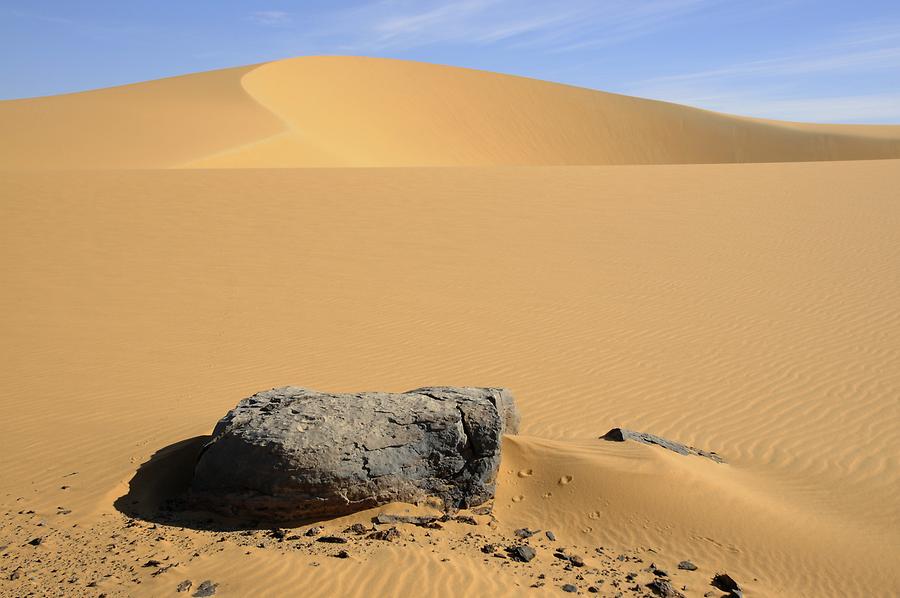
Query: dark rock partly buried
[[332, 539], [621, 435], [687, 566], [571, 589], [726, 583], [294, 454], [184, 586]]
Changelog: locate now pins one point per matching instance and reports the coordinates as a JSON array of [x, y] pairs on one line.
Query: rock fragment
[[687, 566], [206, 588], [664, 589], [521, 553], [621, 435]]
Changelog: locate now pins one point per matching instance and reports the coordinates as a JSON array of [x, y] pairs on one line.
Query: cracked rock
[[293, 454]]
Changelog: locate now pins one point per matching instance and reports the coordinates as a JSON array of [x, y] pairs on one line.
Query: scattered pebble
[[388, 535], [569, 588], [687, 566]]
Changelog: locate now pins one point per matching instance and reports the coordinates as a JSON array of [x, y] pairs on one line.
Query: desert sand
[[171, 247]]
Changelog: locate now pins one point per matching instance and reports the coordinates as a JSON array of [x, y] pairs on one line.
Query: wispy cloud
[[778, 86], [270, 17], [401, 25]]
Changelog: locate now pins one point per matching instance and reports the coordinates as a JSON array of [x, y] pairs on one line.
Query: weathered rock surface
[[621, 435], [292, 453]]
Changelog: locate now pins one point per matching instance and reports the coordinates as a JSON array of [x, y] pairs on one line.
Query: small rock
[[593, 589], [206, 588], [151, 563], [332, 539], [550, 535], [343, 555], [576, 560], [659, 572], [524, 533], [522, 553], [569, 588], [15, 574], [357, 528], [687, 566], [725, 582], [388, 535], [488, 548], [278, 533], [314, 531], [36, 541], [184, 586], [467, 519], [664, 589]]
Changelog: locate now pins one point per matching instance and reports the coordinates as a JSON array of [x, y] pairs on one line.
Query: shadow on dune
[[159, 493]]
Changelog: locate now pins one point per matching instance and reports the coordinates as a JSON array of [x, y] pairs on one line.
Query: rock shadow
[[159, 493]]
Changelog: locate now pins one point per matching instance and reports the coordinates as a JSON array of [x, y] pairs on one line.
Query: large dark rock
[[294, 454]]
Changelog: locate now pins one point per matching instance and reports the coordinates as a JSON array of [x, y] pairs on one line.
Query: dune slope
[[351, 111], [746, 309]]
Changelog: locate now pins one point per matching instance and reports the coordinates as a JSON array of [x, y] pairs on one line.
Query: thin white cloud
[[778, 87], [872, 108], [271, 17], [402, 25]]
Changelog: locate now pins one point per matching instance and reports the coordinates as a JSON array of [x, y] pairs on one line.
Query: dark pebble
[[332, 539]]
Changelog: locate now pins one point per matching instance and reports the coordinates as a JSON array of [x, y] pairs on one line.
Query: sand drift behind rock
[[293, 454]]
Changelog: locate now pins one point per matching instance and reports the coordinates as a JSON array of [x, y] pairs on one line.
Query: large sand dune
[[750, 309], [342, 111]]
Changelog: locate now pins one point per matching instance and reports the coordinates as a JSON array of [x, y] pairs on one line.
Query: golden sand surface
[[745, 308]]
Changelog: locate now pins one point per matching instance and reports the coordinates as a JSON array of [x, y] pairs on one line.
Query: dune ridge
[[356, 111]]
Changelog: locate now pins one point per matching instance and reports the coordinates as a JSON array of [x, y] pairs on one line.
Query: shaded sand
[[750, 309], [347, 111]]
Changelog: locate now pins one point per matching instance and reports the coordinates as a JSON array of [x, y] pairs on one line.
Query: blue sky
[[813, 60]]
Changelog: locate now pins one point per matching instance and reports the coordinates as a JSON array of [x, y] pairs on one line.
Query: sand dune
[[346, 111], [151, 276], [747, 309]]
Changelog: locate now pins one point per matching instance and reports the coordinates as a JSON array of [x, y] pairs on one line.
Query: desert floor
[[752, 309]]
